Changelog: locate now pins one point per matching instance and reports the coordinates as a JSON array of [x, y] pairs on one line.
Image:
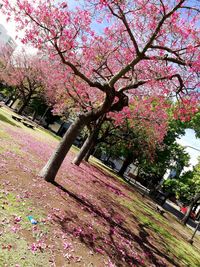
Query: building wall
[[6, 42], [54, 127], [16, 104]]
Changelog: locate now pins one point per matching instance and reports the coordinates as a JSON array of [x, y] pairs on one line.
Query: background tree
[[186, 188], [23, 73], [195, 124], [168, 155], [39, 106], [165, 159]]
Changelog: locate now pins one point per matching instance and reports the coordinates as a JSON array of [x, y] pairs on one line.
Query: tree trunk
[[9, 99], [25, 104], [34, 115], [90, 151], [60, 129], [108, 158], [44, 114], [21, 109], [187, 215], [84, 149], [128, 160], [51, 168], [90, 141]]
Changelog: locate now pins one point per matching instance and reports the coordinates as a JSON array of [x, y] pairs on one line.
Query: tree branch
[[124, 70], [68, 63], [124, 20], [132, 86], [170, 59], [191, 8], [77, 72], [141, 55], [166, 16], [136, 85], [166, 49]]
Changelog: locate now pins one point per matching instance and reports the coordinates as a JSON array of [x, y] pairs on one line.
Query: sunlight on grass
[[16, 246], [4, 135], [5, 143], [96, 162], [5, 119], [186, 252], [173, 246], [49, 133], [147, 222], [179, 248]]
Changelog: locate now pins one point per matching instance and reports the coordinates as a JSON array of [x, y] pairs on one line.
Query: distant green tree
[[167, 156], [186, 188], [39, 106], [182, 187], [124, 142], [195, 124]]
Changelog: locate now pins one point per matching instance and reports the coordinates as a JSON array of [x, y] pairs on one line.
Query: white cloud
[[192, 145]]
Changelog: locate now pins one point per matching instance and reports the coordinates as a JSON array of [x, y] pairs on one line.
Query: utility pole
[[192, 237]]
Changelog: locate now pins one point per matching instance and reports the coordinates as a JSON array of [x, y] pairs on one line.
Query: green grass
[[5, 143], [49, 133], [148, 223], [174, 247], [7, 120], [20, 252], [138, 207], [148, 218], [99, 164], [153, 221], [183, 250]]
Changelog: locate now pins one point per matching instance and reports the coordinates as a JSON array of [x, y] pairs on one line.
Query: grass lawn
[[91, 218]]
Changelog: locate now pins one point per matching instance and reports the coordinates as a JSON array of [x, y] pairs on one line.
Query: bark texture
[[25, 104], [128, 160], [90, 151], [84, 149], [50, 170]]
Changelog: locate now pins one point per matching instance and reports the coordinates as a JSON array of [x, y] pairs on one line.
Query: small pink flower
[[34, 228], [67, 245], [68, 256], [34, 247], [110, 264], [17, 219], [15, 229], [78, 259], [99, 250]]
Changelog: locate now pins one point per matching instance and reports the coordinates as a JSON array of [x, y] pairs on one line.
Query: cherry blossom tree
[[148, 118], [23, 73], [112, 49]]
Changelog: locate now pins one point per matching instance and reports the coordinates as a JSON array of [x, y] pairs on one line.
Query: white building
[[6, 42]]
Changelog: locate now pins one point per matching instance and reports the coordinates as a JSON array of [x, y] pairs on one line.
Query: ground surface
[[90, 219]]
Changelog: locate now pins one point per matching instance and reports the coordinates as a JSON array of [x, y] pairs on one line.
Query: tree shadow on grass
[[115, 187], [115, 239], [5, 119], [124, 183]]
